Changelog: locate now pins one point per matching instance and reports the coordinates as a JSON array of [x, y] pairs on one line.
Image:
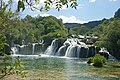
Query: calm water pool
[[54, 68]]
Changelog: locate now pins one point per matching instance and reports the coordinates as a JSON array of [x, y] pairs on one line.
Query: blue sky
[[88, 10]]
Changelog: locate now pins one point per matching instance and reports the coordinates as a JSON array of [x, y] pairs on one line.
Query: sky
[[87, 10]]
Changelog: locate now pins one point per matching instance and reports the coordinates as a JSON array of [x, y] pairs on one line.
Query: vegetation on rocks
[[97, 60]]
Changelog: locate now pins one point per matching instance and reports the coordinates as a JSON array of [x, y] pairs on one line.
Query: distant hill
[[70, 25], [89, 24], [93, 23], [117, 13]]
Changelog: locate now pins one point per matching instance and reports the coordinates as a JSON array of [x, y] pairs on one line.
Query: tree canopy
[[109, 32]]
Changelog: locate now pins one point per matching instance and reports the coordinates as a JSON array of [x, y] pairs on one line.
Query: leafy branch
[[47, 4]]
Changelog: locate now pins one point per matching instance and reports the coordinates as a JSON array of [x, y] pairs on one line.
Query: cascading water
[[72, 47], [105, 52], [95, 50], [78, 51], [14, 50], [87, 52], [61, 51], [33, 49], [51, 50], [71, 51]]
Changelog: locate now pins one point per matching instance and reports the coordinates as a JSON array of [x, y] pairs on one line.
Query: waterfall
[[95, 50], [14, 50], [111, 58], [33, 49], [61, 50], [78, 51], [72, 47], [87, 52], [105, 52], [71, 51], [52, 48]]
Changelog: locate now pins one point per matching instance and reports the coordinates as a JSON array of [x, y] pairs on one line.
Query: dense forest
[[30, 29]]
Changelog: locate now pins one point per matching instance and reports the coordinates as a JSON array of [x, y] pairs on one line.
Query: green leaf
[[21, 5]]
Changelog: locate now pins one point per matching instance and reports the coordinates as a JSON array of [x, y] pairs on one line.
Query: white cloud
[[92, 1], [14, 1], [70, 19], [66, 19], [80, 6], [112, 0], [43, 15]]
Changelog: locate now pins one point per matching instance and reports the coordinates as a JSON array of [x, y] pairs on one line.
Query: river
[[59, 68]]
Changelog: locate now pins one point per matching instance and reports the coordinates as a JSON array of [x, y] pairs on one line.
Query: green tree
[[110, 36], [82, 30]]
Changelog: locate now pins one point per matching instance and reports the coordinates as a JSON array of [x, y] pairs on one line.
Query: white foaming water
[[16, 55], [70, 48], [52, 56], [78, 51], [33, 45], [52, 48], [14, 50], [25, 49], [60, 49], [111, 58]]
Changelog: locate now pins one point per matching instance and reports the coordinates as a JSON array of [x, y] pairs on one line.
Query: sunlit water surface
[[58, 68]]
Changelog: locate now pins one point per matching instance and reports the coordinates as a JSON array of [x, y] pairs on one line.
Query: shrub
[[97, 60], [90, 60]]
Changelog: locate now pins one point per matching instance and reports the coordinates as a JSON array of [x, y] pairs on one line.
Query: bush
[[90, 60], [97, 60]]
